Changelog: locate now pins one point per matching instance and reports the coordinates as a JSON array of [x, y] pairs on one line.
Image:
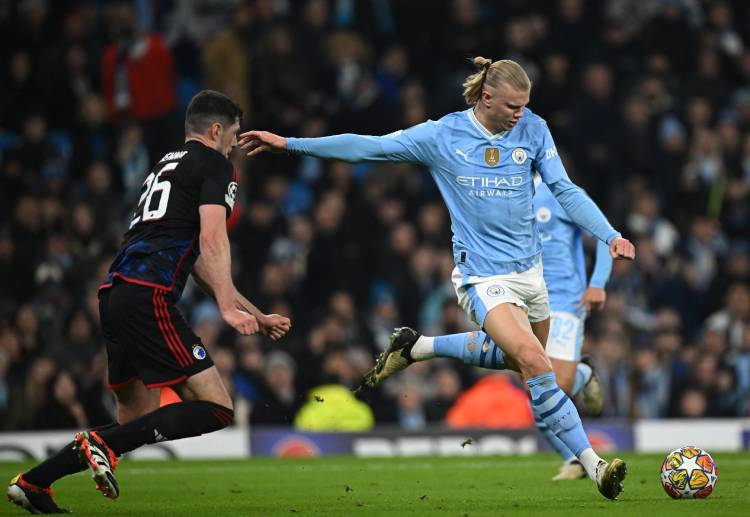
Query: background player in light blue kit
[[482, 160]]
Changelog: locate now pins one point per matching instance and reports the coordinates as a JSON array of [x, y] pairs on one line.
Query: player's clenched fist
[[274, 325], [241, 321], [621, 248]]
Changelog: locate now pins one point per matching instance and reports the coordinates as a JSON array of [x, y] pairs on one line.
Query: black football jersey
[[161, 246]]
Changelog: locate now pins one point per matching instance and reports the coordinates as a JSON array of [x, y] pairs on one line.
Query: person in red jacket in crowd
[[138, 80]]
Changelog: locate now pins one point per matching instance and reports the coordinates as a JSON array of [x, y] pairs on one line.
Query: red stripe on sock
[[222, 417], [160, 323], [170, 326]]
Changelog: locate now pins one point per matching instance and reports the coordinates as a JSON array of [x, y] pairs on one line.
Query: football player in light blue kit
[[482, 160], [570, 301]]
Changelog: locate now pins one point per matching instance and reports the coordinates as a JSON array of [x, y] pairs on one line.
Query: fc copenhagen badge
[[492, 156]]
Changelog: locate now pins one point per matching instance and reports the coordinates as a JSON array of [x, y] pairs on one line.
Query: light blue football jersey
[[486, 182]]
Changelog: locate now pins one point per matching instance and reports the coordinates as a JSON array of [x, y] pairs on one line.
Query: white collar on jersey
[[485, 132]]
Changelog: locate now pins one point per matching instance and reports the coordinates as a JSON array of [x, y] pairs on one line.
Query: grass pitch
[[346, 486]]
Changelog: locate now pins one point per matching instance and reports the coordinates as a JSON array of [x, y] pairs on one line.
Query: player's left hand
[[274, 325], [594, 299], [621, 248]]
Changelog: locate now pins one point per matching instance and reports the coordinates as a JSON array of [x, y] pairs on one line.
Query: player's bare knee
[[207, 389], [533, 361]]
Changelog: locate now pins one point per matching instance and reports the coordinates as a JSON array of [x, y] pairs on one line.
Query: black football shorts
[[147, 338]]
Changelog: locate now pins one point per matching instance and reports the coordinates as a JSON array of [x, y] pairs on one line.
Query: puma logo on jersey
[[461, 153], [231, 194]]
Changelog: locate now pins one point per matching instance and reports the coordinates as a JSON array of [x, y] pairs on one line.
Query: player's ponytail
[[474, 83], [494, 74]]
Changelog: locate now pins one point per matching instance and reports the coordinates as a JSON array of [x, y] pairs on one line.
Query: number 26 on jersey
[[145, 211]]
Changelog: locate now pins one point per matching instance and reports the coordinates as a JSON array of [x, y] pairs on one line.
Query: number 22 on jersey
[[152, 185]]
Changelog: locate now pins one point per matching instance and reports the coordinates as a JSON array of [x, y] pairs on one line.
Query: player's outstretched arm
[[410, 145], [214, 266], [348, 147]]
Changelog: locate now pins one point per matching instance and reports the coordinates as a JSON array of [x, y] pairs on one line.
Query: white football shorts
[[479, 295]]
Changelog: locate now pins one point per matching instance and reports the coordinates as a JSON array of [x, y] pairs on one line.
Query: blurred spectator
[[62, 410], [20, 93], [645, 220], [733, 321], [226, 58], [333, 408], [494, 401], [138, 80], [280, 402], [447, 387], [410, 410]]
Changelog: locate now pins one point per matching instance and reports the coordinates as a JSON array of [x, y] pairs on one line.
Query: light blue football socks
[[583, 375], [473, 348], [556, 443], [552, 406]]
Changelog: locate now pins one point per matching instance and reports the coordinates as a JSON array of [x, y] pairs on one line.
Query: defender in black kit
[[177, 229]]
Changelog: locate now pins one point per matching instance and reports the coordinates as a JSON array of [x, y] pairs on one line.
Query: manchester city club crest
[[492, 156], [495, 290], [518, 155]]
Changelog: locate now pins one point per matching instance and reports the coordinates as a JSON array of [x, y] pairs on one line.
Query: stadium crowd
[[649, 102]]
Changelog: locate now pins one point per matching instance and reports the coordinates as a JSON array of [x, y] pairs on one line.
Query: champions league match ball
[[689, 473]]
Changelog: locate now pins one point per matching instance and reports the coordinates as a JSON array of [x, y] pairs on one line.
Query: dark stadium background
[[649, 102]]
